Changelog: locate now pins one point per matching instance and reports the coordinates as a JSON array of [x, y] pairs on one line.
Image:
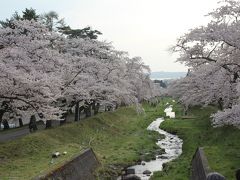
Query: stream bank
[[172, 146]]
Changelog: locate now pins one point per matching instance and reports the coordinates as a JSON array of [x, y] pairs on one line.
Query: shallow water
[[173, 148], [168, 109]]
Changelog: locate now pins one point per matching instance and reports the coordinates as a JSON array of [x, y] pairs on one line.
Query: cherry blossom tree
[[30, 68], [212, 53], [46, 73], [101, 74]]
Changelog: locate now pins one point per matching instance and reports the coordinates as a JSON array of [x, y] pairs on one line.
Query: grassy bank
[[221, 145], [118, 138]]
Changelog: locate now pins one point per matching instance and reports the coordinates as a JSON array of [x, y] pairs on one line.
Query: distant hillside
[[167, 75]]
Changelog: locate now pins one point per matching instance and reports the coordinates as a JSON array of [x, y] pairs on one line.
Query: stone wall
[[199, 166], [81, 167]]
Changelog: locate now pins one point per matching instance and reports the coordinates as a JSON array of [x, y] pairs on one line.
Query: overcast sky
[[145, 28]]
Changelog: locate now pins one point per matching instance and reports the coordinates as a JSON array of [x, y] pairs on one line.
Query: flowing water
[[173, 148]]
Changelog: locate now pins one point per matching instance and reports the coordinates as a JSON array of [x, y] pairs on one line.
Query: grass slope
[[221, 145], [118, 139]]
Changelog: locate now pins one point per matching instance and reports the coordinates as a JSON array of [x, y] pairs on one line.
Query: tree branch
[[19, 99]]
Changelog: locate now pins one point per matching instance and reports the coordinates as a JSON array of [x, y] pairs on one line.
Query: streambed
[[173, 148]]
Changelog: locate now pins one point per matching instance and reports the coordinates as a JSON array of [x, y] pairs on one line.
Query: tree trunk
[[64, 117], [1, 115], [87, 110], [235, 77], [107, 108], [20, 122], [48, 124], [62, 122], [77, 114], [33, 124], [80, 111], [220, 103], [5, 124], [185, 110], [96, 108]]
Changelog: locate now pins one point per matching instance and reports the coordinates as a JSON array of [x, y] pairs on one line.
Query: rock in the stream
[[154, 158], [147, 172], [162, 157], [160, 151], [139, 163], [131, 177], [143, 163], [129, 171]]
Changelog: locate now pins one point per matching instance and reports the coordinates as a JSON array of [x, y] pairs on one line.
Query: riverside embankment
[[118, 139]]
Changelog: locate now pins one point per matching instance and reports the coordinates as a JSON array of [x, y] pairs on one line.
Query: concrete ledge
[[200, 167], [81, 167]]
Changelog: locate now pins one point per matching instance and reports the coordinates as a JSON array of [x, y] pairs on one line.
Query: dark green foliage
[[52, 22], [86, 32], [28, 14], [9, 22]]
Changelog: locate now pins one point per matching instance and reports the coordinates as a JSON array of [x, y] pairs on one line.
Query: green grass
[[221, 145], [118, 138]]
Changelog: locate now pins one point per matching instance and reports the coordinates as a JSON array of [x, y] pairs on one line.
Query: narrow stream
[[173, 148]]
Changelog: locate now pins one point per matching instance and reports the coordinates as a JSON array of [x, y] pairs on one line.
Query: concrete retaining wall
[[200, 167], [81, 167]]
